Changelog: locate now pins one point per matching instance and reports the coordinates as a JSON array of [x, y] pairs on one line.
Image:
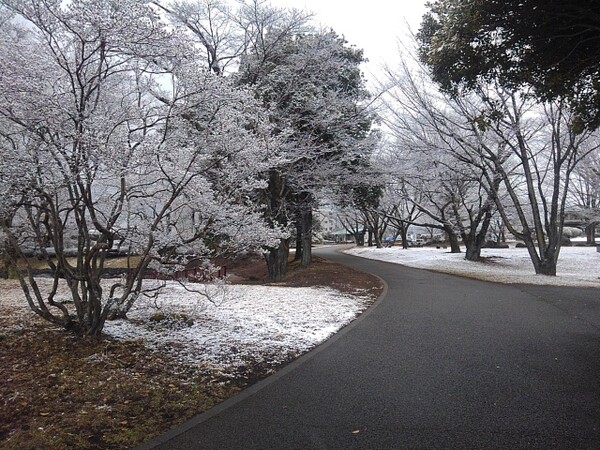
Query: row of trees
[[196, 129], [494, 122], [165, 132]]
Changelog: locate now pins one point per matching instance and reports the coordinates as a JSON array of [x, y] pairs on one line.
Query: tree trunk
[[306, 227], [545, 264], [7, 270], [277, 259], [8, 255], [547, 267], [452, 239], [590, 233], [475, 240], [298, 254], [359, 238], [473, 252], [454, 244], [378, 237], [404, 236]]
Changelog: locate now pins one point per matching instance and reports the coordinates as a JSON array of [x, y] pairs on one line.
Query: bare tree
[[585, 194], [547, 148], [434, 146], [522, 151], [228, 33]]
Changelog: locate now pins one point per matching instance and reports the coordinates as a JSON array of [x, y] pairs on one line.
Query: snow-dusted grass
[[240, 324], [577, 266]]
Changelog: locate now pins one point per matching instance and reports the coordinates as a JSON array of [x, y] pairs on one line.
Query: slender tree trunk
[[306, 226], [404, 236], [7, 270], [277, 258], [378, 234], [298, 254], [7, 254], [359, 238]]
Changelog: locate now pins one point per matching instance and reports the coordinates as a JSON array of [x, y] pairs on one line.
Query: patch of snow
[[240, 324], [577, 266]]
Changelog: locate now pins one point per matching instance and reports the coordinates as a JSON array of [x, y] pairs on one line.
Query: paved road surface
[[440, 362]]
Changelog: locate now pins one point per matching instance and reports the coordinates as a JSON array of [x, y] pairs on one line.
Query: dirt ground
[[60, 392]]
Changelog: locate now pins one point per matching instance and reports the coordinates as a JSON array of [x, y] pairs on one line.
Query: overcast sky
[[373, 25]]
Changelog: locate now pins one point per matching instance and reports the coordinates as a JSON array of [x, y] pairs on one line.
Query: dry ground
[[59, 392]]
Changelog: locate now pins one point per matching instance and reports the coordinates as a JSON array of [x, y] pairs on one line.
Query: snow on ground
[[577, 266], [240, 324]]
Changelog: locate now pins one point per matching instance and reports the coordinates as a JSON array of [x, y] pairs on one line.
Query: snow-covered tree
[[114, 136], [314, 89], [585, 193], [520, 151], [223, 31], [447, 181]]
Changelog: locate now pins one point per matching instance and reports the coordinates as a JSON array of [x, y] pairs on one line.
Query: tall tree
[[315, 91], [435, 151], [101, 152], [224, 32], [511, 144], [550, 45]]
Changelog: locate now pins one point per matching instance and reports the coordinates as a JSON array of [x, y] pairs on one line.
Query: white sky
[[373, 25]]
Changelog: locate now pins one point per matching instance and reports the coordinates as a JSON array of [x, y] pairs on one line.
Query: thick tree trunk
[[590, 233], [454, 244], [545, 262], [475, 240], [452, 239], [473, 252], [277, 259], [359, 238], [547, 267]]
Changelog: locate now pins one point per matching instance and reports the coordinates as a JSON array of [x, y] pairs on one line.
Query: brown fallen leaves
[[58, 391]]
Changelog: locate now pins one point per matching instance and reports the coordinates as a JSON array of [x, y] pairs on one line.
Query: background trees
[[489, 149], [310, 81], [439, 158], [506, 54]]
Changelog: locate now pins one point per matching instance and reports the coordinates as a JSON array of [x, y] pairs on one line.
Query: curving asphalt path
[[439, 362]]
